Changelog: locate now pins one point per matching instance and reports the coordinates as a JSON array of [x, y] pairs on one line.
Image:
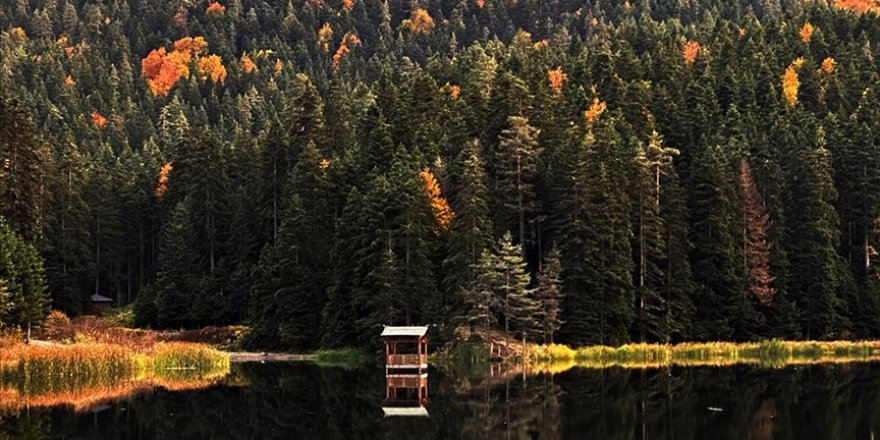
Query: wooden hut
[[406, 348], [97, 304]]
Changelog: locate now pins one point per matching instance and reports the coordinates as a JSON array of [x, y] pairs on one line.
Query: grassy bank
[[348, 358], [84, 374], [772, 353]]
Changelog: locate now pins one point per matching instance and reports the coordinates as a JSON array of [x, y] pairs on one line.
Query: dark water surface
[[293, 401]]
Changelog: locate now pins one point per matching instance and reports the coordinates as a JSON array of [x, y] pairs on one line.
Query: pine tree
[[594, 232], [470, 232], [177, 269], [24, 163], [479, 296], [725, 309], [550, 294], [22, 271], [516, 167], [518, 305], [652, 161]]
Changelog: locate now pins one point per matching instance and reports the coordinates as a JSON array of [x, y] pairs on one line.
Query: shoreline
[[243, 357]]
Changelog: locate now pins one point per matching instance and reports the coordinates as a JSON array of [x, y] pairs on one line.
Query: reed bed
[[771, 353], [81, 373]]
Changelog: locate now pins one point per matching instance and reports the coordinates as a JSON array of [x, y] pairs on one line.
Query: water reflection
[[304, 401], [406, 394]]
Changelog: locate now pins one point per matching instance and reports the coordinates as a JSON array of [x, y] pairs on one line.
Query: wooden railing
[[406, 359], [411, 381]]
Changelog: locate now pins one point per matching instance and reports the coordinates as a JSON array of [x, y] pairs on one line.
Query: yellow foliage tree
[[442, 212], [324, 36], [790, 85], [211, 67], [420, 22]]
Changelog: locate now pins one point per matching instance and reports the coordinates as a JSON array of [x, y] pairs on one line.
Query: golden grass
[[772, 353], [84, 374]]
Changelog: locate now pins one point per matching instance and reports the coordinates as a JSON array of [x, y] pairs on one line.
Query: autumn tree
[[756, 246]]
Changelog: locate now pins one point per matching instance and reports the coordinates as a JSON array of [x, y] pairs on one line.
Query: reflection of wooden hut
[[406, 395], [97, 304], [406, 348]]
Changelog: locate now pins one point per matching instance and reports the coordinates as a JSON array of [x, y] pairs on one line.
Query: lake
[[302, 400]]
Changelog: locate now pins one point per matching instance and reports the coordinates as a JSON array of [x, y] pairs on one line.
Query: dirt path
[[269, 357]]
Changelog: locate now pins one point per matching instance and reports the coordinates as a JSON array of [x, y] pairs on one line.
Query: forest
[[584, 172]]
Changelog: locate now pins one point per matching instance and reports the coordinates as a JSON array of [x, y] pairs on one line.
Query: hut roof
[[98, 298], [404, 331], [418, 411]]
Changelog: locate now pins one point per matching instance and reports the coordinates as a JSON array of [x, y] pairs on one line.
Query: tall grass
[[771, 353], [88, 372]]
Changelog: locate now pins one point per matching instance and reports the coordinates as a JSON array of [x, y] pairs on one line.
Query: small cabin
[[406, 348], [97, 304]]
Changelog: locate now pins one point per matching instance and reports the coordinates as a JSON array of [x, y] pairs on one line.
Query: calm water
[[290, 401]]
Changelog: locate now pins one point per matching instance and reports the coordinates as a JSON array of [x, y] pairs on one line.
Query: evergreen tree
[[516, 167], [470, 232], [518, 305], [479, 296], [550, 294], [24, 162]]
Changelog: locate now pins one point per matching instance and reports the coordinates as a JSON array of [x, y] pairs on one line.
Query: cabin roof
[[404, 331], [98, 298], [418, 411]]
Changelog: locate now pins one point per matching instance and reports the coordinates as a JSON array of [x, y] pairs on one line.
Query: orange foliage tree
[[790, 85], [348, 4], [162, 70], [162, 185], [98, 120], [455, 91], [420, 22], [806, 32], [215, 9], [557, 79], [858, 5], [69, 82], [689, 51], [247, 65], [442, 212], [348, 39], [596, 109], [828, 66], [279, 66]]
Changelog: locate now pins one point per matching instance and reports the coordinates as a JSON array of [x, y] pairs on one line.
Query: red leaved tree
[[756, 245]]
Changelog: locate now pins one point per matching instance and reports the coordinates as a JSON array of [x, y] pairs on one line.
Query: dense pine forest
[[573, 171]]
